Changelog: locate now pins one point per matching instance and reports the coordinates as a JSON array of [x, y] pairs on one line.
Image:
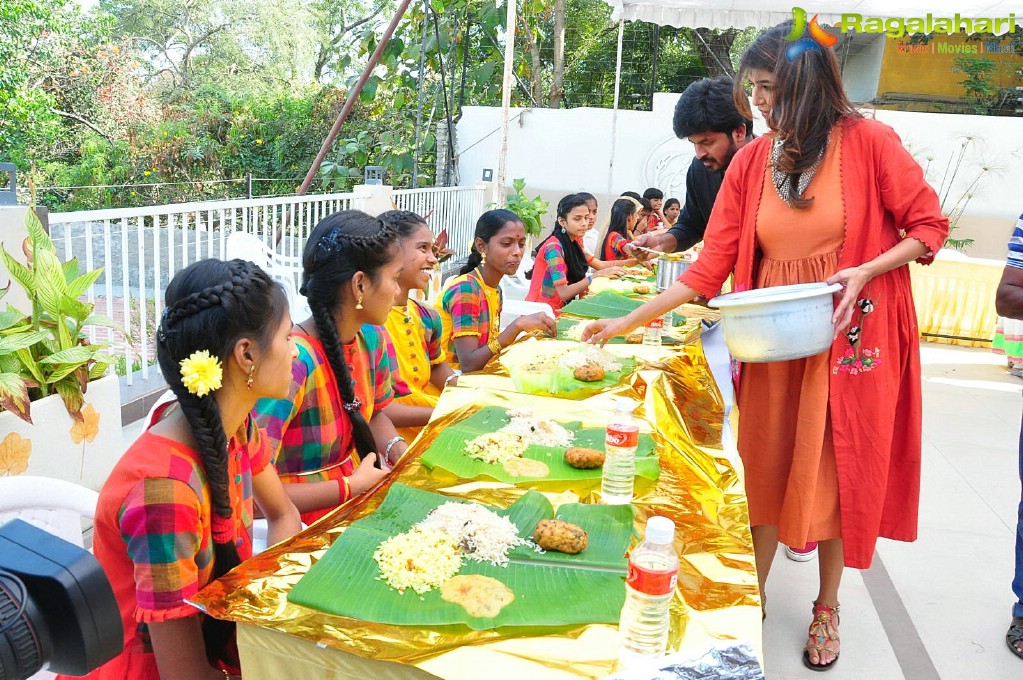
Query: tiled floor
[[939, 607]]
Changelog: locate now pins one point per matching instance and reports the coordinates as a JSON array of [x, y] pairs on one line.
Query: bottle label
[[656, 322], [650, 581], [622, 436]]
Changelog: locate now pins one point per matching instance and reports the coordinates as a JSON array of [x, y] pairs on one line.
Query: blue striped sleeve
[[1015, 258]]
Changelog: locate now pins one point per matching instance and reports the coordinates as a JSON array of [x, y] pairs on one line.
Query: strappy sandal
[[1015, 635], [823, 631]]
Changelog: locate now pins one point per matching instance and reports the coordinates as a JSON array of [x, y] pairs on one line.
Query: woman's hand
[[853, 281], [537, 321], [366, 475], [602, 330], [612, 272]]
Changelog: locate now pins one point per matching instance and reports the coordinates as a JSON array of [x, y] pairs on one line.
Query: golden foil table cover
[[699, 488]]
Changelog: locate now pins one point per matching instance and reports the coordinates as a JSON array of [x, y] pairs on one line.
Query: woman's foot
[[1014, 638], [823, 647]]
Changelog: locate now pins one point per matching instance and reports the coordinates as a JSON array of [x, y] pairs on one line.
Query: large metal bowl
[[778, 323], [669, 268]]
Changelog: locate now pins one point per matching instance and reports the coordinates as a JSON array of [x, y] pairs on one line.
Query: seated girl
[[414, 330], [330, 435], [624, 213], [672, 208], [560, 270], [470, 304], [176, 512]]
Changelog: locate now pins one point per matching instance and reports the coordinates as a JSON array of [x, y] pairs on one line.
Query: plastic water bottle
[[653, 330], [646, 616], [620, 444]]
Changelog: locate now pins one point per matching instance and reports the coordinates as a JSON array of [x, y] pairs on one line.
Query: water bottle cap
[[626, 405], [660, 530]]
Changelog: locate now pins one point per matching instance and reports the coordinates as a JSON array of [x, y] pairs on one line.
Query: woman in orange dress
[[830, 443]]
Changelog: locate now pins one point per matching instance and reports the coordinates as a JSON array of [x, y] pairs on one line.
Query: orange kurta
[[791, 480], [873, 386]]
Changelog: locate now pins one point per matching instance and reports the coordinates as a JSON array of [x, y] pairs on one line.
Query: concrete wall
[[564, 151], [927, 69]]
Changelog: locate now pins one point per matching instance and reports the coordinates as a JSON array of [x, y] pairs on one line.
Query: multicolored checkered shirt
[[550, 271], [152, 531], [614, 247], [309, 432], [466, 307], [1015, 258]]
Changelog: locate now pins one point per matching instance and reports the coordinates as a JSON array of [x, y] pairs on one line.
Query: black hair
[[670, 202], [645, 204], [575, 259], [210, 305], [487, 226], [653, 193], [587, 196], [341, 245], [619, 222], [708, 105], [404, 222], [632, 194]]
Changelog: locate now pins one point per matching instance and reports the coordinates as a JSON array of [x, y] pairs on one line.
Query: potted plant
[[59, 404], [530, 210]]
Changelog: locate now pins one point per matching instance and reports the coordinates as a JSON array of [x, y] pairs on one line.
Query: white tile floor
[[954, 581]]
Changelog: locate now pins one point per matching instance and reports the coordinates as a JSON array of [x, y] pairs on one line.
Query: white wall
[[564, 151]]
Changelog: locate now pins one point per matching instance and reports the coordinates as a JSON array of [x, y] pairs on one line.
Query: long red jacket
[[875, 413]]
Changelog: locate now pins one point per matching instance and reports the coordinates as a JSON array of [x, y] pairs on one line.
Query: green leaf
[[37, 234], [19, 273], [65, 370], [587, 587], [75, 355], [369, 90], [71, 269], [14, 395], [98, 370], [51, 288], [29, 363], [16, 341], [71, 393], [519, 184], [77, 287], [11, 317]]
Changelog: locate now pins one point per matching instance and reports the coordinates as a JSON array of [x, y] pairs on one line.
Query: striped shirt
[[1015, 258], [468, 307]]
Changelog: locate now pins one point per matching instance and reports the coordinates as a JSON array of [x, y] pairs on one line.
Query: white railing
[[453, 208], [140, 249]]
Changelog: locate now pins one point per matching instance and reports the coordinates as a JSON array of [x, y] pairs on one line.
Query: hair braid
[[243, 301], [327, 329]]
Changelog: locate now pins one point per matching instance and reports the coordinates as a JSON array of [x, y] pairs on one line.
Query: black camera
[[57, 609]]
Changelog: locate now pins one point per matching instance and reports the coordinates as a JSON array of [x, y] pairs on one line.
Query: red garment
[[876, 413]]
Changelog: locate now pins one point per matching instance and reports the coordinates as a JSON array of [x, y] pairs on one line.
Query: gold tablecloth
[[717, 595], [955, 300]]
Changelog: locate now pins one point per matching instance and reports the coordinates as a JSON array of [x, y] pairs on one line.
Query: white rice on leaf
[[481, 534], [420, 559], [537, 430], [590, 355], [496, 447]]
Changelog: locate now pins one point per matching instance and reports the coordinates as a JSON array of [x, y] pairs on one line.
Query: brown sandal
[[823, 632]]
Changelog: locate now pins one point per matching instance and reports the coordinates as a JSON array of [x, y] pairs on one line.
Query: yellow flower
[[201, 373], [259, 141]]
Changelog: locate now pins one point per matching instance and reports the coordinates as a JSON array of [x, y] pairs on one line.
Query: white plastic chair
[[516, 287], [513, 309], [53, 505], [283, 269]]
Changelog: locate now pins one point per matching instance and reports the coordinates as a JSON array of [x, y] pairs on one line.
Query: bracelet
[[589, 278], [453, 376], [495, 346], [390, 445]]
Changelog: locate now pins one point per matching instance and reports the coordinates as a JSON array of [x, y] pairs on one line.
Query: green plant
[[530, 210], [46, 351], [980, 91]]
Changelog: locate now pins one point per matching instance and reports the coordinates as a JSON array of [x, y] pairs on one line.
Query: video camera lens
[[57, 609]]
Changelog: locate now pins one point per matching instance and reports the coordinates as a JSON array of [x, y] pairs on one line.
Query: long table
[[700, 488]]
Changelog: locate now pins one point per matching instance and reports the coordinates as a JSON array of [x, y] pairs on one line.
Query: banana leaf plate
[[567, 331], [588, 587], [606, 304], [448, 453]]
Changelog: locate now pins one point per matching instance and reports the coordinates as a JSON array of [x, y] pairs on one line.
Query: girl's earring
[[251, 376], [358, 303], [483, 257]]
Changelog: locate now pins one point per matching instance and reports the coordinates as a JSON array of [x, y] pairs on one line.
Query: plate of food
[[519, 447], [572, 329], [565, 370], [424, 559]]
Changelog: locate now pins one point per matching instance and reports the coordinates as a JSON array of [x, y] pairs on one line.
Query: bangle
[[343, 490], [495, 346], [390, 445]]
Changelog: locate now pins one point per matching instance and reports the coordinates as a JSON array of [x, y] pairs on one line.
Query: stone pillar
[[373, 198]]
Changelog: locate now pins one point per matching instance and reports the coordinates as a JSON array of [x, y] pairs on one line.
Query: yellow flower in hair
[[201, 373]]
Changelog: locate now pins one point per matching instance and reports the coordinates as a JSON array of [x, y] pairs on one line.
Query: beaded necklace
[[781, 182]]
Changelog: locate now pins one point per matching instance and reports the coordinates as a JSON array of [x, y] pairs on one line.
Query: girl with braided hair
[[560, 273], [331, 436], [413, 330], [470, 304], [176, 512]]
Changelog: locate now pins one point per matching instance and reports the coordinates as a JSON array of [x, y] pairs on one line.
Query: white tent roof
[[765, 13]]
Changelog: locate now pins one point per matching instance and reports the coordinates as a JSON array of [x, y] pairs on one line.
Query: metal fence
[[140, 249]]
